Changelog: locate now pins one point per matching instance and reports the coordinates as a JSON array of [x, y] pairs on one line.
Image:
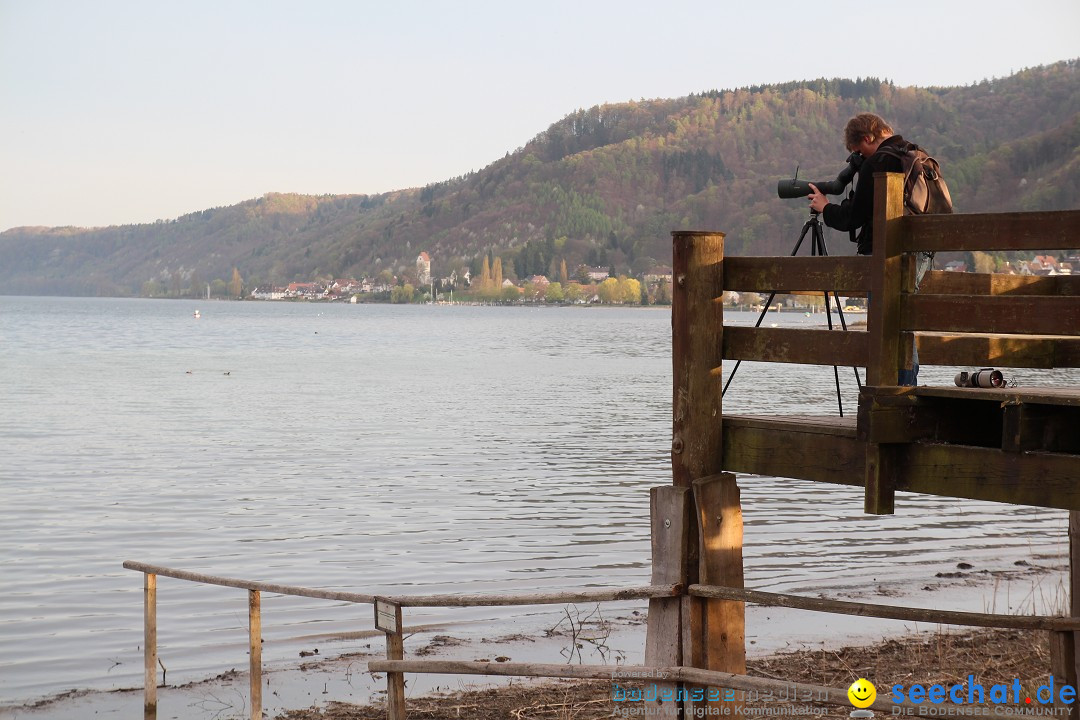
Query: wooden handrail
[[848, 275], [808, 346], [642, 592], [989, 232], [890, 612]]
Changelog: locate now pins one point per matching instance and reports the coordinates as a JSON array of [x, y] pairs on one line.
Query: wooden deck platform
[[1016, 445]]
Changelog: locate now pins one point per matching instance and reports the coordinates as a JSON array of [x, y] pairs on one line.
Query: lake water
[[382, 448]]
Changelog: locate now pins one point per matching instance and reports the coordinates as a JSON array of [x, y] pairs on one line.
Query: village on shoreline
[[585, 286]]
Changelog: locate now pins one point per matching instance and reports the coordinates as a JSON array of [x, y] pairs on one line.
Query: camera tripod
[[817, 248]]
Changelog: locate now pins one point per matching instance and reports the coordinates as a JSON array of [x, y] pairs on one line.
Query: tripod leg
[[761, 317], [819, 238], [818, 248], [802, 235]]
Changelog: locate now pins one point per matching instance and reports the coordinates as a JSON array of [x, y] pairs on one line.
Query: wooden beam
[[150, 658], [720, 525], [881, 469], [1040, 479], [843, 275], [444, 600], [986, 350], [784, 448], [886, 279], [1032, 231], [697, 336], [1018, 314], [1074, 583], [388, 619], [1063, 396], [939, 282], [885, 417], [255, 653], [892, 612], [670, 512], [797, 345], [780, 449]]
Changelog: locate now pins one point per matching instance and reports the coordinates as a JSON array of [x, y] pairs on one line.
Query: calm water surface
[[379, 448]]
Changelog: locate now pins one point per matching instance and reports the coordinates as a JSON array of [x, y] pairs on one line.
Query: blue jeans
[[910, 378]]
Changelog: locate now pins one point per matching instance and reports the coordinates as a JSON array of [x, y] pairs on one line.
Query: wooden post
[[697, 337], [388, 619], [671, 521], [1066, 664], [887, 279], [255, 653], [697, 329], [150, 658]]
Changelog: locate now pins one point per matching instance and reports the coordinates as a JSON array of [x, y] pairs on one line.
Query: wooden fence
[[389, 619]]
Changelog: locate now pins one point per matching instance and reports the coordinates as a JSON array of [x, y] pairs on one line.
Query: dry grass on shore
[[992, 656]]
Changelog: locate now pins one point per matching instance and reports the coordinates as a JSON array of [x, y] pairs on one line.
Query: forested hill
[[603, 186]]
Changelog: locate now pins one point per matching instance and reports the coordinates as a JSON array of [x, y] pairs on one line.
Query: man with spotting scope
[[864, 134]]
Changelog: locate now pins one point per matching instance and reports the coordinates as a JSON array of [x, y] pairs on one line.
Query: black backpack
[[925, 191]]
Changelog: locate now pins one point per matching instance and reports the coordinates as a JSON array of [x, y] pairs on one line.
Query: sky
[[129, 111]]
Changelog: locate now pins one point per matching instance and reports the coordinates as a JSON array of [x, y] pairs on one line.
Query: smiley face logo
[[862, 693]]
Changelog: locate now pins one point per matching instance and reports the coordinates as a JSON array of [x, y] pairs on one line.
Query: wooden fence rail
[[394, 635], [395, 666]]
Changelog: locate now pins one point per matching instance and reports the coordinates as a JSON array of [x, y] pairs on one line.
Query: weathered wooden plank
[[1062, 665], [899, 419], [1033, 231], [697, 335], [939, 282], [255, 654], [720, 525], [986, 350], [814, 424], [886, 280], [150, 658], [782, 451], [1037, 395], [444, 600], [880, 485], [893, 612], [844, 275], [1016, 314], [670, 513], [797, 345], [1040, 479], [1022, 426], [1074, 585], [395, 651]]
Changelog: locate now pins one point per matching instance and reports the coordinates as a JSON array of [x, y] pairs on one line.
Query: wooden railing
[[385, 605], [964, 319], [389, 610]]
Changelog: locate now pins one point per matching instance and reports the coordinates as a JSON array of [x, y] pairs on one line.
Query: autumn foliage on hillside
[[604, 186]]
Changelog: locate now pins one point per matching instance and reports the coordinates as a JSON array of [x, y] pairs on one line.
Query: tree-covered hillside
[[603, 186]]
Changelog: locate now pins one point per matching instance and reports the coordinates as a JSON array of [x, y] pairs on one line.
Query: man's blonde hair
[[865, 124]]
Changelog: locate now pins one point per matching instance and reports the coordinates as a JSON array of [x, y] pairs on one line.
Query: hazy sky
[[126, 111]]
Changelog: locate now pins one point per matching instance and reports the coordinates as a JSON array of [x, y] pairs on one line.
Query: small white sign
[[387, 616]]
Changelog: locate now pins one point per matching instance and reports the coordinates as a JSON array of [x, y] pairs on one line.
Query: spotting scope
[[795, 188]]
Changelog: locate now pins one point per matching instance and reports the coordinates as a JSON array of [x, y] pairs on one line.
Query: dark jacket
[[857, 212]]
